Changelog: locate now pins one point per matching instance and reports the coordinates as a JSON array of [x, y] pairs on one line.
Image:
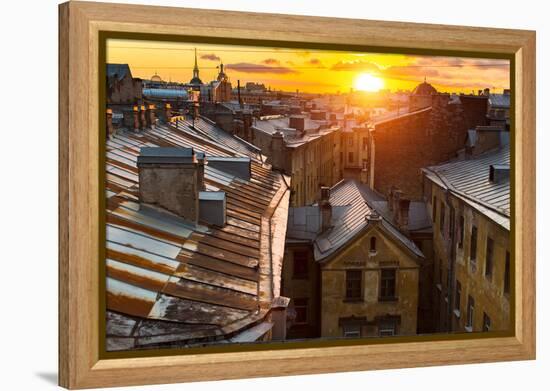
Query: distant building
[[401, 145], [122, 87], [498, 110], [421, 96], [469, 203], [306, 149], [348, 271]]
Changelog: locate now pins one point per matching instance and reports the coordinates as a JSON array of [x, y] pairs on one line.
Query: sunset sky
[[317, 71]]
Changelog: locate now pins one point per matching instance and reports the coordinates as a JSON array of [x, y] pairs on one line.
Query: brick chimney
[[151, 116], [325, 209], [142, 118], [109, 122], [167, 112], [136, 118], [297, 122], [403, 214], [278, 155], [171, 178]]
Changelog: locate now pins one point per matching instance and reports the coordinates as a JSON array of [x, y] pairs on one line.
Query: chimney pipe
[[109, 122], [151, 115], [325, 209], [136, 119], [142, 118], [168, 112]]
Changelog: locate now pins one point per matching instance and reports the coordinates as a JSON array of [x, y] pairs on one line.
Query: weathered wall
[[488, 293], [306, 287], [357, 256], [408, 143]]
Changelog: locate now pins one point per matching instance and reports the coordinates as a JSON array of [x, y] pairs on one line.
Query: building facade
[[469, 203], [348, 271]]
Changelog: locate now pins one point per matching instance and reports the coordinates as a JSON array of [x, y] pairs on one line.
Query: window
[[451, 229], [471, 306], [387, 328], [434, 208], [352, 330], [350, 142], [486, 322], [441, 217], [300, 269], [373, 244], [365, 143], [300, 306], [460, 231], [458, 292], [489, 258], [350, 157], [354, 282], [365, 163], [473, 244], [507, 273], [387, 284]]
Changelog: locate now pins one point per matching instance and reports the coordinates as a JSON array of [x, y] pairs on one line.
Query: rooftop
[[173, 283], [469, 180], [350, 211]]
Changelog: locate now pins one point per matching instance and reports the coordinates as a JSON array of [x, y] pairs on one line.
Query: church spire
[[196, 79]]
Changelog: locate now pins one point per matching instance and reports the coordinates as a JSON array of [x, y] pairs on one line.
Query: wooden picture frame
[[81, 24]]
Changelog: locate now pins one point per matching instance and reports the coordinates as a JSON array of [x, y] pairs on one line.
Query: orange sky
[[308, 70]]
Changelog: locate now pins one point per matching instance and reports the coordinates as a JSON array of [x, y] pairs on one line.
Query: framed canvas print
[[248, 195]]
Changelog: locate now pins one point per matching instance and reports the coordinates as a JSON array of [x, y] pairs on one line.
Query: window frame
[[357, 292], [304, 275], [382, 292], [489, 257]]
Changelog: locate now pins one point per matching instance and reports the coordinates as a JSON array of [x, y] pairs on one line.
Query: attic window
[[499, 173]]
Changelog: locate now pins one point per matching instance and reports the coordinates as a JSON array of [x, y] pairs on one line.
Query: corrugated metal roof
[[292, 139], [469, 179], [169, 281]]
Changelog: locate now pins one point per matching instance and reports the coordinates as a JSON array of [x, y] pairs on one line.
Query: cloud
[[316, 62], [247, 67], [210, 56], [271, 61], [355, 65]]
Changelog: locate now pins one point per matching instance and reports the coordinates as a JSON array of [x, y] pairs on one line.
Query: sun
[[368, 82]]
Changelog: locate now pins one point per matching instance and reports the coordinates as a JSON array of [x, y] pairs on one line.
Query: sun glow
[[368, 82]]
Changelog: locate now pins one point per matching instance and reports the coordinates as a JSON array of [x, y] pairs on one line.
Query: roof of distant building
[[424, 88], [172, 282], [118, 71], [469, 180], [500, 101]]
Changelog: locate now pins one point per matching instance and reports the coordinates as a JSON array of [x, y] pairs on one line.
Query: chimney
[[168, 112], [487, 138], [109, 123], [151, 115], [325, 209], [212, 207], [403, 214], [235, 166], [247, 125], [499, 173], [171, 178], [297, 122], [142, 118], [136, 119], [278, 155]]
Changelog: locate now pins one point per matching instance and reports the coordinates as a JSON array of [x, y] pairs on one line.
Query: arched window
[[373, 244]]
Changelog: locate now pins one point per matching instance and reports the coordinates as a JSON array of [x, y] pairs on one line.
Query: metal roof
[[165, 93], [499, 101], [292, 138], [349, 218], [118, 71], [469, 180], [172, 283]]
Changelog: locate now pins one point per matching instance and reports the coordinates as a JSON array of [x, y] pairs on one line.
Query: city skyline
[[309, 70]]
